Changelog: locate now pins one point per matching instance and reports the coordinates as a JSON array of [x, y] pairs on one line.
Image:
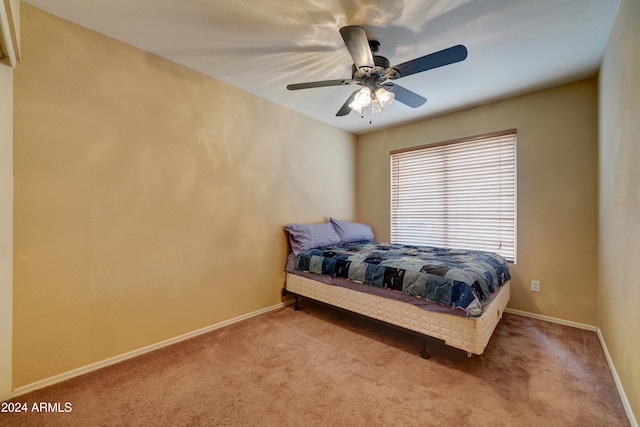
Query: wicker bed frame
[[470, 334]]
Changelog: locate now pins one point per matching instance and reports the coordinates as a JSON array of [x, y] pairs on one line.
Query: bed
[[457, 296]]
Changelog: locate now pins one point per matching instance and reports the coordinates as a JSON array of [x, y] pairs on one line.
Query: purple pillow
[[308, 236], [353, 231]]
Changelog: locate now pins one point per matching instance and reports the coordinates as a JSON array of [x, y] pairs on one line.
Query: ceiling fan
[[373, 73]]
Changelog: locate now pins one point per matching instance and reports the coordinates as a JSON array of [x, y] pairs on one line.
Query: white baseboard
[[616, 378], [551, 319], [94, 366]]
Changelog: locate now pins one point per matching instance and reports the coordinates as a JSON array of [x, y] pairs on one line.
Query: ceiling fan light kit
[[374, 73], [384, 97], [361, 100]]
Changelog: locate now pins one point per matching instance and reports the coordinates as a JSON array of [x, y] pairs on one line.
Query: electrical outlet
[[535, 286]]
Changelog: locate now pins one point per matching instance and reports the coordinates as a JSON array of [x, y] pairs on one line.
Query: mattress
[[462, 280]]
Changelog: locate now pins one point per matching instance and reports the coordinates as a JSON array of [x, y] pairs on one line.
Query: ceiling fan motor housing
[[381, 69]]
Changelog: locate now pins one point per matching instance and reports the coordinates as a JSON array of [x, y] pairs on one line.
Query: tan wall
[[619, 280], [6, 228], [557, 190], [149, 198], [9, 10]]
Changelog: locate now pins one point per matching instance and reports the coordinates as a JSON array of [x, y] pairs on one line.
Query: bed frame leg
[[296, 307], [423, 352]]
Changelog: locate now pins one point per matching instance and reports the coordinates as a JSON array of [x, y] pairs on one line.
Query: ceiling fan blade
[[345, 107], [434, 60], [406, 96], [356, 41], [323, 83]]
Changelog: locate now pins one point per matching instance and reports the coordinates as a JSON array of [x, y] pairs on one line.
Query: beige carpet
[[325, 367]]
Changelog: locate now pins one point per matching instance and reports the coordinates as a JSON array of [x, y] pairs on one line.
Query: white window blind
[[457, 194]]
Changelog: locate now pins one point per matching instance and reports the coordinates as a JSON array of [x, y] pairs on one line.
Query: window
[[457, 194]]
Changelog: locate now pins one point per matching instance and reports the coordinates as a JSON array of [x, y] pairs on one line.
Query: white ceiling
[[515, 46]]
